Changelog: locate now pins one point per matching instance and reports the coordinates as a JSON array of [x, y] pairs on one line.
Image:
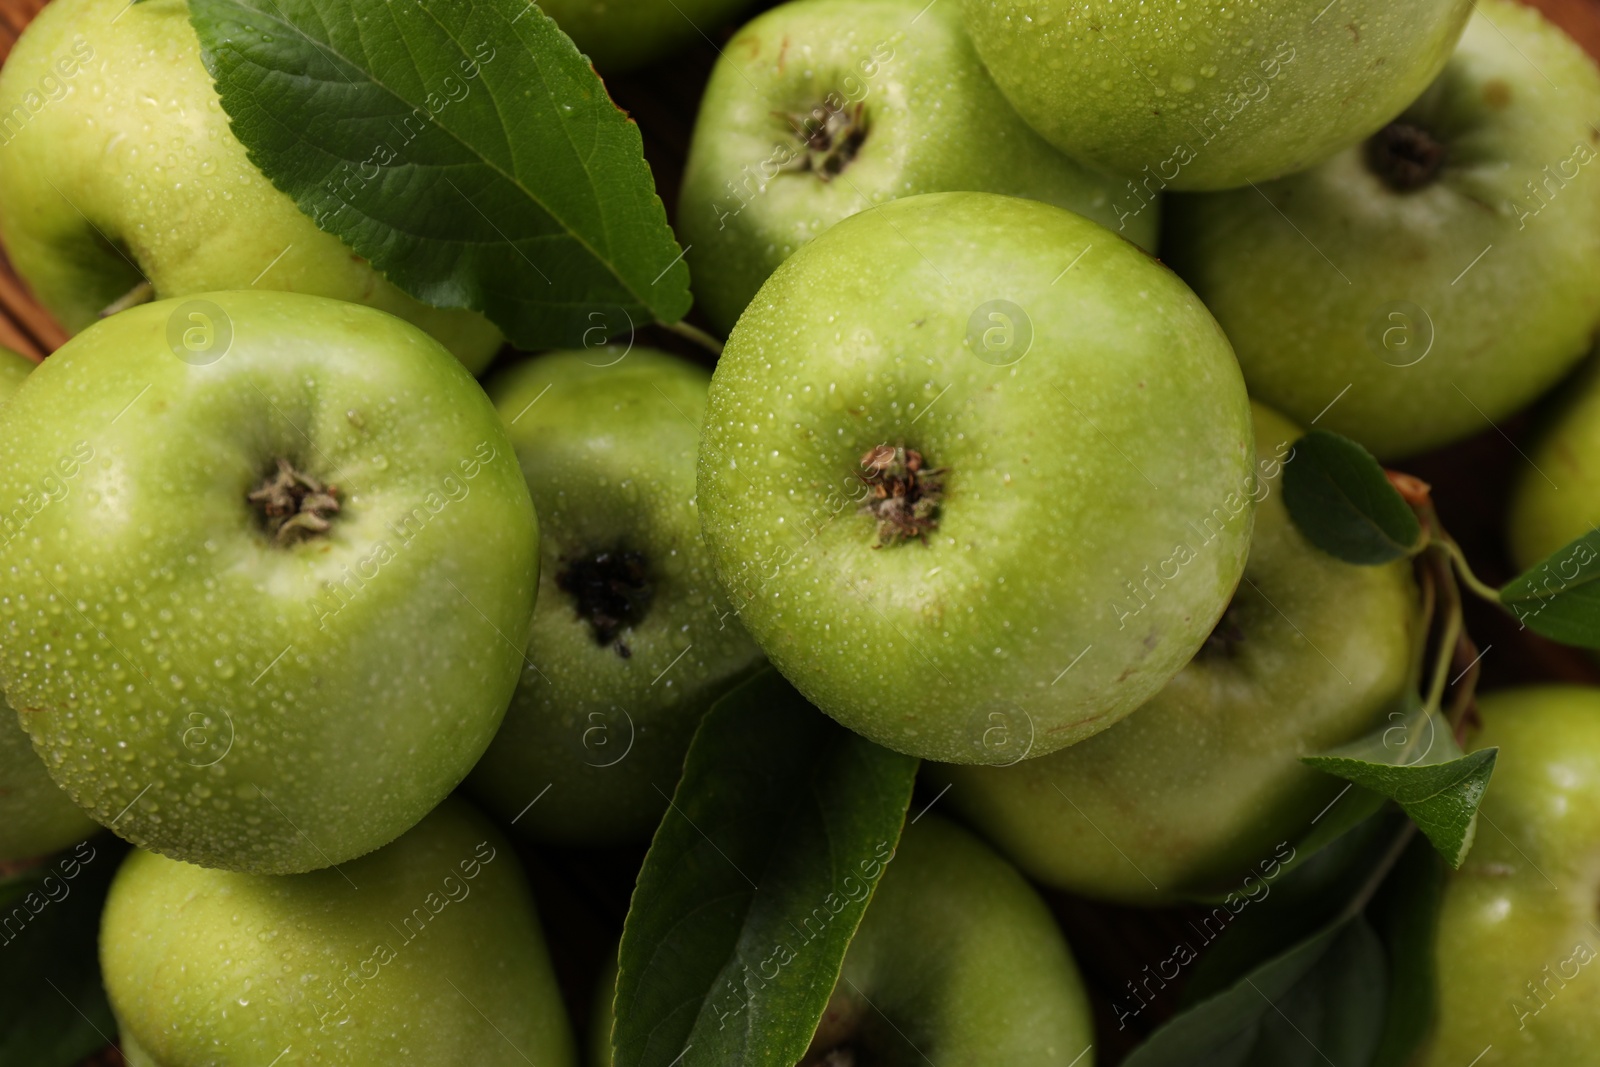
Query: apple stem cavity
[[294, 506], [1406, 157], [829, 137], [610, 590], [1226, 636], [834, 1043], [904, 497]]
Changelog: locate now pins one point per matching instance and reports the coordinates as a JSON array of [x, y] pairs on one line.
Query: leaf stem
[[695, 334], [1429, 578], [1444, 655], [1472, 581], [1380, 872]]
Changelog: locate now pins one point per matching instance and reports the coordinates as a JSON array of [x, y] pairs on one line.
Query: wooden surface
[[583, 894]]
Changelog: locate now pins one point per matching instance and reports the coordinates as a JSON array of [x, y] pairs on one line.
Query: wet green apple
[[269, 567], [1517, 948], [117, 166], [621, 34], [632, 637], [1199, 785], [819, 109], [1440, 276], [976, 474], [957, 960], [36, 816], [14, 369], [1211, 95], [427, 951], [1557, 498]]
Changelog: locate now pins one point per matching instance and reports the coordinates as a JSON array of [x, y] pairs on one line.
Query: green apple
[[14, 369], [1440, 276], [117, 166], [956, 961], [1211, 96], [1555, 499], [819, 109], [1203, 782], [270, 564], [1517, 944], [621, 34], [632, 638], [427, 951], [976, 473], [36, 816]]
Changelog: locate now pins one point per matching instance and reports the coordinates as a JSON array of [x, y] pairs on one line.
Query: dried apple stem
[[294, 506], [904, 495]]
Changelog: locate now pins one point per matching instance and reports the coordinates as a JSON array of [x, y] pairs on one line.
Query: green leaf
[[1405, 914], [1416, 762], [755, 883], [1309, 892], [1321, 1002], [1342, 501], [53, 1011], [1348, 890], [1345, 811], [1559, 598], [465, 147]]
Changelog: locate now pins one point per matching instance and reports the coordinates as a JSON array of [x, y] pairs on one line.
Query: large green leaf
[[465, 147], [53, 1011], [1417, 763], [1320, 1002], [755, 884], [1240, 936], [1342, 501], [1560, 596], [1376, 889]]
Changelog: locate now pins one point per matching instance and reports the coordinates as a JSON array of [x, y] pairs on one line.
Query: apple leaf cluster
[[467, 149], [754, 885], [1348, 506]]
